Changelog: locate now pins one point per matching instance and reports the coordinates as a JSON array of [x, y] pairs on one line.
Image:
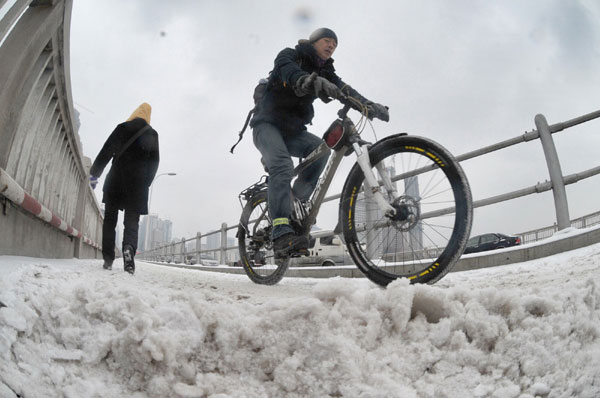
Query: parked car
[[192, 259], [491, 241], [207, 260]]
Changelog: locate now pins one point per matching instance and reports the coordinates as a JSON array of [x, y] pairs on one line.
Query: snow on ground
[[70, 329]]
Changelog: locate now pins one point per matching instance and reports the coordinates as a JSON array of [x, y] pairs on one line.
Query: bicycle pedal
[[299, 253], [291, 254]]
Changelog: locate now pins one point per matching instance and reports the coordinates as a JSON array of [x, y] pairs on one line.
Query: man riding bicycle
[[299, 76]]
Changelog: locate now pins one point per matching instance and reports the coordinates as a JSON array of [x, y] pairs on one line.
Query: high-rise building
[[154, 232], [213, 241], [389, 241], [232, 255]]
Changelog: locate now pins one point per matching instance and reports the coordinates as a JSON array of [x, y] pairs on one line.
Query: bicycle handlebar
[[342, 113], [351, 103]]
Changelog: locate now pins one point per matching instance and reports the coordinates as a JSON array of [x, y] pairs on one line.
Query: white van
[[324, 251]]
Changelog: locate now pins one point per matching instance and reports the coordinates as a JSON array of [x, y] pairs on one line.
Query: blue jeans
[[277, 149]]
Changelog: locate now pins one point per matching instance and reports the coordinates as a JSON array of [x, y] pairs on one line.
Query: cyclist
[[299, 76]]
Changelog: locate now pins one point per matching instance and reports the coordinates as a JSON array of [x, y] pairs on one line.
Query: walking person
[[300, 76], [133, 148]]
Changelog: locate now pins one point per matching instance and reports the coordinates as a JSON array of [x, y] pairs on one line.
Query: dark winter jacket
[[280, 106], [132, 173]]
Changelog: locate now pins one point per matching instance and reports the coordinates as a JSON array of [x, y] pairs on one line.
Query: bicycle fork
[[372, 187]]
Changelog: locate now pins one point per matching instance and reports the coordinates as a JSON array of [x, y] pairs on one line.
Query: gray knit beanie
[[321, 33]]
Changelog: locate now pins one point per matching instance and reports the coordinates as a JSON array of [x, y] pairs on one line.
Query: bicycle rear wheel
[[433, 219], [255, 245]]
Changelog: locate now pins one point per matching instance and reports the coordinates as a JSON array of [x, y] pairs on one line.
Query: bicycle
[[417, 232]]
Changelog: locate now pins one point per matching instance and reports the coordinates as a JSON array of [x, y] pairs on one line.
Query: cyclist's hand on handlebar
[[324, 86], [377, 110], [317, 85]]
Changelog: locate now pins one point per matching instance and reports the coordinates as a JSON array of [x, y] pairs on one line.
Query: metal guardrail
[[556, 184], [177, 251], [13, 192], [41, 150], [546, 232]]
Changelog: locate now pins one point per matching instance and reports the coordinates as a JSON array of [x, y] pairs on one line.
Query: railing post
[[558, 187], [198, 246], [183, 250], [80, 215], [224, 243]]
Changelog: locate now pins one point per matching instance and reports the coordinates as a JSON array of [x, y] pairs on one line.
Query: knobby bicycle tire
[[255, 245], [426, 244]]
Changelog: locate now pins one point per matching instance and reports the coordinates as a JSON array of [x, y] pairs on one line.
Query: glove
[[93, 181], [377, 110], [316, 85]]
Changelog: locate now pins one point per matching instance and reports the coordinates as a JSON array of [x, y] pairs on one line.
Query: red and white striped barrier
[[13, 191]]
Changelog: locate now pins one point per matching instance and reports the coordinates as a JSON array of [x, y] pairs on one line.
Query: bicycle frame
[[359, 147]]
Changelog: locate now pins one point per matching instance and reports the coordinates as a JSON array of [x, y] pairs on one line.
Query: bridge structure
[[48, 209], [47, 206]]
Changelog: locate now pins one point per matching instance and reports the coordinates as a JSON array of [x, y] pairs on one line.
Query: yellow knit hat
[[143, 111]]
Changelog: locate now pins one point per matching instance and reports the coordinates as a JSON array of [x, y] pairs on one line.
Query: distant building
[[389, 240], [157, 233], [213, 241], [232, 255], [76, 120]]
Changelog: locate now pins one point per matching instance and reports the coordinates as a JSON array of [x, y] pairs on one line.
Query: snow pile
[[71, 329]]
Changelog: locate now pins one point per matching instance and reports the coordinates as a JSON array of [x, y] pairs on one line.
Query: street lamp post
[[147, 237]]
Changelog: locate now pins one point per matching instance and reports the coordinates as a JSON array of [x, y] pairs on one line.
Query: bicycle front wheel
[[255, 244], [434, 211]]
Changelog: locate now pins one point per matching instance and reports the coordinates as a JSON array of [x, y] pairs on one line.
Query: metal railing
[[557, 183], [546, 232], [178, 252], [41, 151]]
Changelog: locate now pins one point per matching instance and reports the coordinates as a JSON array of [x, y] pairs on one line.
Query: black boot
[[128, 263], [290, 245], [107, 262]]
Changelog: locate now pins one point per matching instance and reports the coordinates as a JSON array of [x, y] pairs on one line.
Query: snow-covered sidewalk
[[70, 329]]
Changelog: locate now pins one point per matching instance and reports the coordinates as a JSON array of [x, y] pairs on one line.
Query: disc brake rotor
[[408, 213]]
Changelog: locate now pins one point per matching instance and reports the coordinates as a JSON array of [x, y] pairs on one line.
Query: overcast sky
[[464, 73]]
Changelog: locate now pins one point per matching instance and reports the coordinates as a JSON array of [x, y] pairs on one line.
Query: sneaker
[[290, 245], [128, 263], [107, 264]]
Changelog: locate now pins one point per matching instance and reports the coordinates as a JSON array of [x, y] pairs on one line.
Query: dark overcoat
[[130, 176], [280, 105]]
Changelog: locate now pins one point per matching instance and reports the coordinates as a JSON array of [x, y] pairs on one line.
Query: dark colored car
[[491, 241]]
